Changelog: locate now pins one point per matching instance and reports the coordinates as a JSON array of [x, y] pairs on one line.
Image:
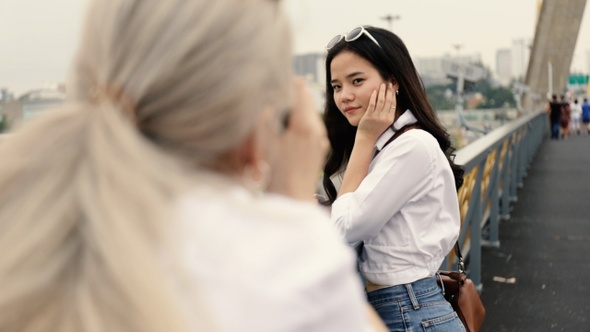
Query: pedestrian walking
[[576, 117], [553, 110], [586, 116], [564, 120]]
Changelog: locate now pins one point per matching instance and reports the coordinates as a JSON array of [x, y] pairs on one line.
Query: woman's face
[[353, 79]]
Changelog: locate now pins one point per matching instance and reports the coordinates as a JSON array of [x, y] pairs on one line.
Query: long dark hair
[[393, 62]]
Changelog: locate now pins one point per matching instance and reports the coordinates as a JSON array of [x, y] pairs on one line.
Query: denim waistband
[[412, 291]]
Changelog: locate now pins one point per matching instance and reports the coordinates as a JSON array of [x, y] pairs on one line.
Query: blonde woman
[[170, 193]]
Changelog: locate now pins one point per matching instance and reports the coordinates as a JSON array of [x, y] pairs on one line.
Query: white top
[[576, 110], [268, 263], [405, 210]]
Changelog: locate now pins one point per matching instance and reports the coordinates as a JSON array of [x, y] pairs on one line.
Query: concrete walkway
[[545, 247]]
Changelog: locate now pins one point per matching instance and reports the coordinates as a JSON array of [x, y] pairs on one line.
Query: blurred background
[[472, 56]]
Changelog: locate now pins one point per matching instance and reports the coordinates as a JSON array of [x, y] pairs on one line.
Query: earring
[[256, 177], [396, 92]]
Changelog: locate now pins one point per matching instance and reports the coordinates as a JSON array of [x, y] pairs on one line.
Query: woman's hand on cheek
[[302, 149], [380, 113], [377, 118]]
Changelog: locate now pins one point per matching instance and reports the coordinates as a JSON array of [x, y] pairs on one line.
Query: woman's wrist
[[365, 140], [358, 164]]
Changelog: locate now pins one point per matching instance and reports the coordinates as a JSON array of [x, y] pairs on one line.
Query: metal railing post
[[492, 190], [475, 228]]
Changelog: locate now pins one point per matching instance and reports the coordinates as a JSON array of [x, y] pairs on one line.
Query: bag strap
[[402, 130], [461, 263], [359, 249]]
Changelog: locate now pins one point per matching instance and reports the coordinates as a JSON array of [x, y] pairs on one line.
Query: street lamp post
[[461, 73], [390, 18], [460, 81]]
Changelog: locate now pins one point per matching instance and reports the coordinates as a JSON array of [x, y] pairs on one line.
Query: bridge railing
[[495, 166]]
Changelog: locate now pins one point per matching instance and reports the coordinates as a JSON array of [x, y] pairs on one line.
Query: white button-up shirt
[[266, 263], [405, 211]]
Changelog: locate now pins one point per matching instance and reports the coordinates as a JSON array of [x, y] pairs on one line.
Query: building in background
[[512, 63], [521, 53], [312, 67], [6, 95], [504, 66], [432, 71], [30, 104]]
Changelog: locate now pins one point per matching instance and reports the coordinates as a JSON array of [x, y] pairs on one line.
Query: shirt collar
[[406, 118]]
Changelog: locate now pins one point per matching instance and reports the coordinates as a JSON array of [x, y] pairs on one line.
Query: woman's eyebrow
[[356, 73]]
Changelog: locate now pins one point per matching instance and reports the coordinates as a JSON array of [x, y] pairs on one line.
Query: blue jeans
[[555, 130], [419, 306]]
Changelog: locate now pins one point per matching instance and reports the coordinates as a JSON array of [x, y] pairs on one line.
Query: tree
[[498, 98], [440, 97]]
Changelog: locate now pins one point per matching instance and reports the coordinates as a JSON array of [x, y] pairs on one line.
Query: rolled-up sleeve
[[401, 173]]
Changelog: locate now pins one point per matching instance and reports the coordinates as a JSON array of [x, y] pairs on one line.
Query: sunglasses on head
[[353, 35]]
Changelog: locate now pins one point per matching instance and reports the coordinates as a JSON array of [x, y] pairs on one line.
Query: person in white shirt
[[576, 119], [397, 201], [173, 190]]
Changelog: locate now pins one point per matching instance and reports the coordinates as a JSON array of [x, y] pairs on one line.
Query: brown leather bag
[[463, 296]]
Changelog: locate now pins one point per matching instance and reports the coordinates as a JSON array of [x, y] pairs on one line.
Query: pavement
[[539, 277]]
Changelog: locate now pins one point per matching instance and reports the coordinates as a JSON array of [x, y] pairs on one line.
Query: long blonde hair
[[159, 89]]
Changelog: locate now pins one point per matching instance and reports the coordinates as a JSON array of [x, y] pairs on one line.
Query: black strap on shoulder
[[460, 263], [398, 133]]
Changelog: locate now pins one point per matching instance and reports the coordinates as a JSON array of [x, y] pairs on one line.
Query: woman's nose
[[346, 95]]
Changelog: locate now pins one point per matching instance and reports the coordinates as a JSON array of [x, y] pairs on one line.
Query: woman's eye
[[357, 81], [336, 87]]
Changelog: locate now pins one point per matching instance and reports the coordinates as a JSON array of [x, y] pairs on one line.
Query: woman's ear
[[252, 157], [245, 155], [395, 84], [250, 151], [253, 148]]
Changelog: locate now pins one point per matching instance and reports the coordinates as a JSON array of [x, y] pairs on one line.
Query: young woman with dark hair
[[397, 199]]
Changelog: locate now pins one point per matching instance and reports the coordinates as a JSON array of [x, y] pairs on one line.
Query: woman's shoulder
[[265, 255], [417, 142], [206, 203], [269, 226]]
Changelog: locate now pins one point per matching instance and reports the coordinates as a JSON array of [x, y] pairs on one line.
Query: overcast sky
[[38, 37], [429, 27]]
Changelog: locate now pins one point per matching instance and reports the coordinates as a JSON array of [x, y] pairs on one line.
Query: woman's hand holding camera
[[302, 149]]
